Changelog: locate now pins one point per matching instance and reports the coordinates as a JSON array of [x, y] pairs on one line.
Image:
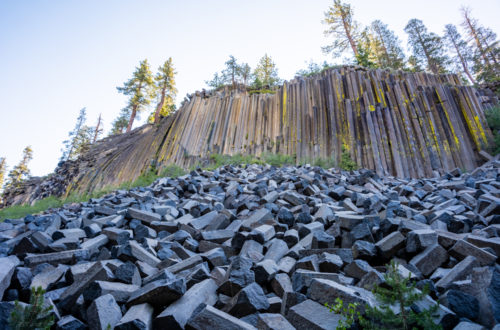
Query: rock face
[[210, 250], [432, 122]]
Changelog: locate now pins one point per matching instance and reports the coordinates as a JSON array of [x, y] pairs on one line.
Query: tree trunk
[[351, 40], [347, 30], [160, 105], [430, 61], [96, 132], [132, 117], [464, 65]]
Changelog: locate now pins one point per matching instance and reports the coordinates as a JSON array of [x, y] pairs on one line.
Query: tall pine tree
[[79, 140], [20, 172], [366, 53], [427, 47], [245, 73], [140, 90], [3, 169], [266, 72], [457, 46], [230, 73], [486, 48], [386, 46], [166, 91], [343, 28]]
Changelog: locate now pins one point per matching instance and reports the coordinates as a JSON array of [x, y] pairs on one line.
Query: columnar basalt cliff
[[397, 123]]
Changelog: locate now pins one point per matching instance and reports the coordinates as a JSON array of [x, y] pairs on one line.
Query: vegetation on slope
[[493, 118]]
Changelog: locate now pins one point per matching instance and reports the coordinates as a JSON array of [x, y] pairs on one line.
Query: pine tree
[[216, 82], [414, 64], [121, 122], [245, 73], [486, 48], [427, 47], [342, 27], [403, 294], [463, 53], [230, 73], [20, 172], [166, 91], [140, 89], [313, 68], [366, 53], [80, 138], [34, 316], [266, 72], [387, 47], [3, 169]]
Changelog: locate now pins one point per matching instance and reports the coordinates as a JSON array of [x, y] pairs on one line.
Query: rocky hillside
[[396, 123], [260, 248]]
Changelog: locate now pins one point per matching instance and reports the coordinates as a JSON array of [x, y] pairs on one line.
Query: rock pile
[[259, 247]]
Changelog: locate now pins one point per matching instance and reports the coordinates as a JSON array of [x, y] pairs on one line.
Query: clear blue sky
[[58, 56]]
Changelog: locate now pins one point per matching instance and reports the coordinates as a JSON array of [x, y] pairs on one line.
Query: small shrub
[[346, 162], [493, 118], [350, 313], [278, 159], [325, 163], [33, 316], [172, 171], [402, 294]]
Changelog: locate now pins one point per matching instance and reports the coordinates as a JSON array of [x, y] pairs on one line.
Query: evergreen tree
[[98, 129], [486, 48], [34, 316], [230, 73], [462, 52], [366, 54], [80, 138], [403, 294], [216, 82], [140, 89], [342, 27], [21, 172], [165, 84], [313, 68], [414, 64], [3, 169], [266, 72], [121, 122], [245, 73], [427, 47], [387, 47]]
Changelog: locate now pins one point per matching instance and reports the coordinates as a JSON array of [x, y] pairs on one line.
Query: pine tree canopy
[[266, 72], [427, 47], [343, 29], [21, 172]]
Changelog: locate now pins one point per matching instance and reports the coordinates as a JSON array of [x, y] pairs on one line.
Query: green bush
[[493, 118], [346, 162], [172, 171], [402, 294], [33, 316], [278, 159], [350, 313]]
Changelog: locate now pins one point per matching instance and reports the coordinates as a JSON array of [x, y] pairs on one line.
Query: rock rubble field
[[259, 247]]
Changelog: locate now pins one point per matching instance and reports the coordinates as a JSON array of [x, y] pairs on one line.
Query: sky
[[58, 56]]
